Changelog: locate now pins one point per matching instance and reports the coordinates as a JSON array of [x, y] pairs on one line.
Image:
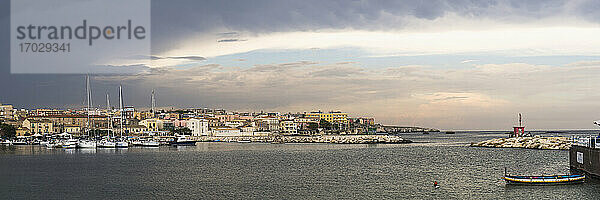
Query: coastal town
[[200, 124]]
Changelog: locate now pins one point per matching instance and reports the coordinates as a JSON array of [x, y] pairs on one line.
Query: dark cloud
[[179, 19], [231, 40], [195, 58]]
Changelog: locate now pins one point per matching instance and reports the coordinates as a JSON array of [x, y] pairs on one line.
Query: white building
[[199, 127], [6, 112], [289, 127]]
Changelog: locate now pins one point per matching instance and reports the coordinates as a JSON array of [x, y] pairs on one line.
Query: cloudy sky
[[445, 64]]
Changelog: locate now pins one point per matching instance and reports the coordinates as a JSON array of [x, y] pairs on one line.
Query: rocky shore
[[333, 139], [536, 142]]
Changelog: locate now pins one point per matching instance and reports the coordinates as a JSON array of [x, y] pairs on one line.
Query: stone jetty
[[536, 142], [333, 139]]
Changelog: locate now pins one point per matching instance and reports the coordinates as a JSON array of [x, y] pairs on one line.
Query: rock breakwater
[[334, 139], [536, 142]]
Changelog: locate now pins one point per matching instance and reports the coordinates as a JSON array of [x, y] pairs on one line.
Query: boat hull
[[122, 145], [544, 180], [150, 144], [106, 144], [186, 143], [86, 144]]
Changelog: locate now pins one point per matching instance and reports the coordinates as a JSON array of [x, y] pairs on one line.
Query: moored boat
[[122, 144], [70, 144], [19, 142], [183, 141], [544, 180], [86, 144], [150, 143], [106, 144]]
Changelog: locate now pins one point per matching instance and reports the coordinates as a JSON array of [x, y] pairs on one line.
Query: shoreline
[[330, 139]]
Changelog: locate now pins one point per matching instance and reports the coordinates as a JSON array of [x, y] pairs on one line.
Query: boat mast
[[89, 102], [153, 102], [108, 114], [121, 107]]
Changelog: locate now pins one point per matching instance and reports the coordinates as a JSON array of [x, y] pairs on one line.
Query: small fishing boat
[[244, 141], [544, 180]]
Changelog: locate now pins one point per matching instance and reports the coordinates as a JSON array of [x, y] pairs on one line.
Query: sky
[[451, 65]]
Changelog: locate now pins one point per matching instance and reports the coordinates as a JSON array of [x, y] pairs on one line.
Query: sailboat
[[121, 143], [87, 143], [106, 142]]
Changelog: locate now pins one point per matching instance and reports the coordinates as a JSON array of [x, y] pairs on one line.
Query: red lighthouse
[[519, 130]]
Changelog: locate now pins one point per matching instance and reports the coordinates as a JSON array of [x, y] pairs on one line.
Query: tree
[[312, 126], [7, 131], [325, 124]]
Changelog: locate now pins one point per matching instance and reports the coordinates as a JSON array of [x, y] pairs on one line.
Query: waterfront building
[[72, 129], [267, 123], [39, 126], [227, 117], [6, 112], [168, 125], [22, 131], [214, 122], [288, 127], [178, 123], [60, 121], [171, 116], [134, 130], [152, 124], [332, 117], [20, 114], [246, 117], [199, 127], [129, 112], [143, 115], [48, 112]]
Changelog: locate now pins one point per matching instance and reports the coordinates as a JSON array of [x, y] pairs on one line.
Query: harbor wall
[[585, 159]]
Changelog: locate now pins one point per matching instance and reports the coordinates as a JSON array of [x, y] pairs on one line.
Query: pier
[[584, 156]]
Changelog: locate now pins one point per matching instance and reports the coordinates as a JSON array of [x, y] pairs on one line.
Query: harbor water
[[288, 171]]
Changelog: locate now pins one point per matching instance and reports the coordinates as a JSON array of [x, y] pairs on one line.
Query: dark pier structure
[[584, 156]]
